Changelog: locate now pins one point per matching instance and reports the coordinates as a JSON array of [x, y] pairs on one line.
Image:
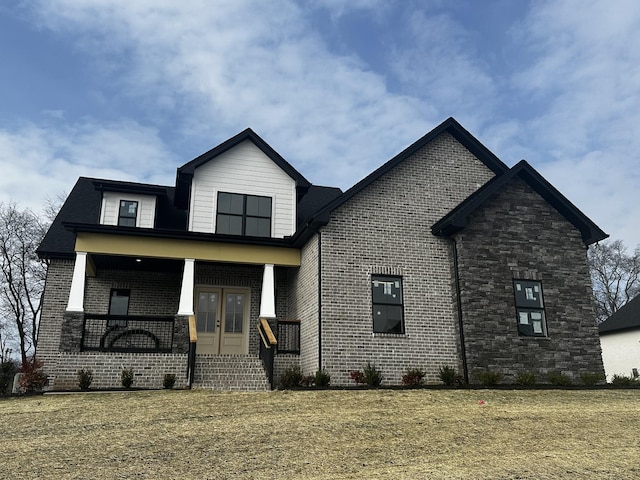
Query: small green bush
[[526, 379], [369, 375], [559, 379], [489, 378], [126, 377], [85, 378], [372, 376], [322, 379], [291, 377], [450, 376], [33, 379], [169, 380], [591, 379], [8, 370], [624, 381], [413, 377]]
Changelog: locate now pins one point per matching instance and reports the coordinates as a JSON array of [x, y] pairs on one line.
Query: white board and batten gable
[[243, 169], [146, 211]]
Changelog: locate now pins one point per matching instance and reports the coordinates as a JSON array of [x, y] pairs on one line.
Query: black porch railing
[[267, 347], [127, 333], [288, 335]]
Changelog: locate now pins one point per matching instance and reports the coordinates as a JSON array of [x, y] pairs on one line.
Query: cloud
[[39, 161], [215, 71]]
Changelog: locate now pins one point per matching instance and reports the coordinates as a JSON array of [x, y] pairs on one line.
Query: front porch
[[160, 296]]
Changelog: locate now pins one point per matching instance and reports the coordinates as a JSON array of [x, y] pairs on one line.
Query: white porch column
[[76, 295], [268, 298], [186, 293]]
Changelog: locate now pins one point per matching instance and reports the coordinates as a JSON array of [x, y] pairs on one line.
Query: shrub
[[450, 376], [489, 378], [322, 379], [591, 379], [169, 380], [357, 376], [369, 375], [372, 376], [308, 381], [85, 377], [559, 379], [526, 379], [624, 381], [33, 379], [8, 370], [291, 377], [413, 377], [126, 377]]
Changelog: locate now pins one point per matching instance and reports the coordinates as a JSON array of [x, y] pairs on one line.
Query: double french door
[[222, 318]]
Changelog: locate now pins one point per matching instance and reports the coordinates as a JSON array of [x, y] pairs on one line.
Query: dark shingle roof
[[315, 198], [458, 218], [83, 204], [626, 318]]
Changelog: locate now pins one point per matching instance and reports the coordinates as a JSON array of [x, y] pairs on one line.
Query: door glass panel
[[234, 313], [207, 312]]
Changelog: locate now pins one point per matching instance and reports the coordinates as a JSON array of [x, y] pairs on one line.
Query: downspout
[[463, 353], [319, 300]]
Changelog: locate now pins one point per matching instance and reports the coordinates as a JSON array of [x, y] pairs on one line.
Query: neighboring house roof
[[450, 126], [627, 318], [458, 218], [185, 172]]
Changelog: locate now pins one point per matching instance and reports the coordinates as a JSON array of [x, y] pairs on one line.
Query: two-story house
[[442, 256]]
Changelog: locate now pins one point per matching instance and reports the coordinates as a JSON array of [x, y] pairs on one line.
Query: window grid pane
[[386, 295], [239, 214]]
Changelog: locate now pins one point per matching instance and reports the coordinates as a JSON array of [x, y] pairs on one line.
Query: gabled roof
[[450, 126], [83, 204], [185, 172], [628, 317], [458, 218]]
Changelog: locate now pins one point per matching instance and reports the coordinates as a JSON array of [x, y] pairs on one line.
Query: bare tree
[[22, 274], [615, 276]]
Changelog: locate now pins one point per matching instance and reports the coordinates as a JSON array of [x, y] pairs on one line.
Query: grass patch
[[400, 434]]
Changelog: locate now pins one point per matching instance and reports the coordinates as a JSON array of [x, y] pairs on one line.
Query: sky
[[130, 90]]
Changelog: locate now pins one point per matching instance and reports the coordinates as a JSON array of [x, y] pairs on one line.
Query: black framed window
[[119, 305], [240, 214], [127, 213], [386, 299], [530, 308]]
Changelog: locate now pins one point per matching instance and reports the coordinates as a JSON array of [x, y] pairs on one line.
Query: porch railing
[[288, 335], [127, 333], [193, 343], [268, 344]]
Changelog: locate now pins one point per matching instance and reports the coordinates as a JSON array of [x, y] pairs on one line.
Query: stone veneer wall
[[519, 235], [386, 229], [303, 304]]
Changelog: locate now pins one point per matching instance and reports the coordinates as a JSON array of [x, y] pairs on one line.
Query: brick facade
[[303, 304], [518, 235], [385, 229]]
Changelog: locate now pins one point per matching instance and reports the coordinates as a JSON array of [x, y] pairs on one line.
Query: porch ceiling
[[147, 264], [177, 249]]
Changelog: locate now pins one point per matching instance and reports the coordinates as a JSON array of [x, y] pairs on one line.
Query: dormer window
[[240, 214], [128, 213]]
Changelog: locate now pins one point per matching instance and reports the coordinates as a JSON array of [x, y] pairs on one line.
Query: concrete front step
[[230, 372]]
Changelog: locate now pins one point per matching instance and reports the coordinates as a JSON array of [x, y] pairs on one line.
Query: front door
[[222, 319]]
